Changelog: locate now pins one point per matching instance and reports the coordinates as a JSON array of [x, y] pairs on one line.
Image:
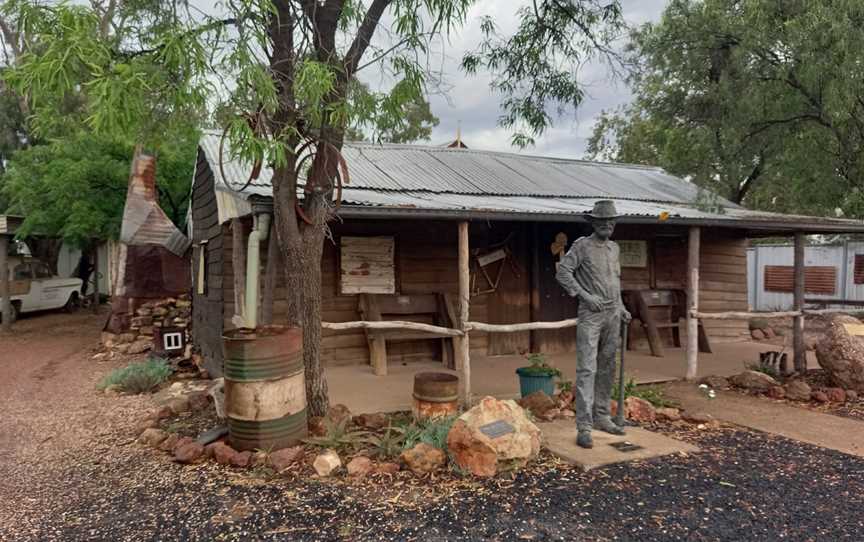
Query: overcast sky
[[470, 100]]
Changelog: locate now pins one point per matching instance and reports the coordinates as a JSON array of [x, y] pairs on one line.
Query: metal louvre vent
[[818, 279]]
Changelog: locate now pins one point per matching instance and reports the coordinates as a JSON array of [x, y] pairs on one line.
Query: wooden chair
[[383, 307], [645, 305]]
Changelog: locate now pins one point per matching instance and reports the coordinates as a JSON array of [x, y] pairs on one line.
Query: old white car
[[34, 288]]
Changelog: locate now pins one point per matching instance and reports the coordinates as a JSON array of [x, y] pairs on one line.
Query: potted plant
[[538, 375]]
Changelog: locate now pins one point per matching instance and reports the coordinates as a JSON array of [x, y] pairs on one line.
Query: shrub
[[652, 394], [338, 436], [759, 367], [139, 377], [538, 366], [432, 431]]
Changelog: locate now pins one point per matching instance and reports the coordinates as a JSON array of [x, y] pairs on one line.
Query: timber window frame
[[367, 264]]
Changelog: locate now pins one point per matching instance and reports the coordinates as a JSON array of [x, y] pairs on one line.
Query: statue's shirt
[[592, 266]]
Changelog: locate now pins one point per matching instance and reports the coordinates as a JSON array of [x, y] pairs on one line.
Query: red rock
[[371, 421], [146, 424], [179, 404], [851, 396], [757, 334], [538, 403], [284, 458], [222, 453], [188, 453], [339, 414], [776, 392], [566, 413], [565, 399], [199, 400], [550, 415], [716, 382], [479, 454], [835, 395], [753, 380], [359, 466], [819, 396], [387, 468], [668, 414], [183, 441], [169, 443], [639, 409], [769, 333], [317, 426], [697, 417], [242, 459], [424, 458], [798, 390], [153, 437], [841, 354]]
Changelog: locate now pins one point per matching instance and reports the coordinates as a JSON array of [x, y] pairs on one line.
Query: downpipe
[[260, 231]]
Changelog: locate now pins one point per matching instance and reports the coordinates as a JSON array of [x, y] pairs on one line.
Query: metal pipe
[[619, 416], [253, 268]]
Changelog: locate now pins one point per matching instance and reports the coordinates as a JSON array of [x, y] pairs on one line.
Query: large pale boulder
[[492, 434], [841, 353]]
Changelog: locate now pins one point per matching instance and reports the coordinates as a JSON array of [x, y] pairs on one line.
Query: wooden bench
[[644, 306], [383, 307]]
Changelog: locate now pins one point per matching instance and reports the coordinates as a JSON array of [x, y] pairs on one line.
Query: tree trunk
[[46, 250]]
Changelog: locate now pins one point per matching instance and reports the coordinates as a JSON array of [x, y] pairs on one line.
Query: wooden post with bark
[[463, 357], [5, 301], [692, 302], [800, 357]]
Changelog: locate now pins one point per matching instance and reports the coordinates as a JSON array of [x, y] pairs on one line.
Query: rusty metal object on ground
[[435, 395], [265, 390]]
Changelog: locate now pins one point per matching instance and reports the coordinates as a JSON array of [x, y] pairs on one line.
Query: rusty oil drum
[[265, 388], [435, 395]]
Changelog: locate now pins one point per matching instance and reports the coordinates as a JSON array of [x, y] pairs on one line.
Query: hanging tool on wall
[[497, 253]]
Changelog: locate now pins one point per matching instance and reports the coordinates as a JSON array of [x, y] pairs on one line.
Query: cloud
[[470, 102]]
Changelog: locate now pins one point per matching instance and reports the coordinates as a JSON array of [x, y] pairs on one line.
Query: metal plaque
[[625, 446], [496, 429]]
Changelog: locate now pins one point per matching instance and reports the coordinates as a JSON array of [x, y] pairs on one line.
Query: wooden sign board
[[633, 253], [854, 329], [367, 265]]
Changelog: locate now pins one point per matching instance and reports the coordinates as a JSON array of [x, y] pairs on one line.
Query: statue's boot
[[608, 426], [583, 438]]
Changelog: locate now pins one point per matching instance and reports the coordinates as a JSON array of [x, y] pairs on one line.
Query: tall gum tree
[[281, 72]]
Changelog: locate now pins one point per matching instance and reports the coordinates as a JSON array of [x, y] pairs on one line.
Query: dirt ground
[[70, 470]]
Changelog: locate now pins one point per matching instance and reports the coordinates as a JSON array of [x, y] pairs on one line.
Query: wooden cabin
[[394, 251]]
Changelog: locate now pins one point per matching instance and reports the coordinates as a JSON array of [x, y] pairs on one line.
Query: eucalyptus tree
[[282, 66], [760, 101]]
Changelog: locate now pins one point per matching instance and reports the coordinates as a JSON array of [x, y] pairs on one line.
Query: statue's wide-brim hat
[[604, 209]]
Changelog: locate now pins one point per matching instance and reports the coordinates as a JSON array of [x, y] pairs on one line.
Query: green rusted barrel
[[265, 390]]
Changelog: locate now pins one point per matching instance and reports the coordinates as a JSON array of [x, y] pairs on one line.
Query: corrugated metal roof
[[400, 179]]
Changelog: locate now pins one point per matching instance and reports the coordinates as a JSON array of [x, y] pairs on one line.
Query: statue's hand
[[592, 302], [625, 315]]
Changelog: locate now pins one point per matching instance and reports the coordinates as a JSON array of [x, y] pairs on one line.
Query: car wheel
[[73, 304]]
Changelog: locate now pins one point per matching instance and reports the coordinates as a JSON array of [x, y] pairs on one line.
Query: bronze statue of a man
[[591, 272]]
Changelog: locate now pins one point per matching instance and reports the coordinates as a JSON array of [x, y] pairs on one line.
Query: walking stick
[[619, 416]]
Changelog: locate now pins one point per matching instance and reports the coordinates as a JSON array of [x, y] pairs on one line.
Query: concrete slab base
[[559, 437]]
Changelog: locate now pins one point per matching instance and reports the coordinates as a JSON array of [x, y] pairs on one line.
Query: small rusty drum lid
[[436, 387]]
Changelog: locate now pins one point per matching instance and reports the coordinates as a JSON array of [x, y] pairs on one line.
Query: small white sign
[[634, 253]]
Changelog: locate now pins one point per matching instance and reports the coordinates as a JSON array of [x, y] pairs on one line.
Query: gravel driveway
[[70, 471]]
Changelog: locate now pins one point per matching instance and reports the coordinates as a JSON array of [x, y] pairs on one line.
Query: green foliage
[[75, 188], [538, 366], [565, 385], [139, 377], [759, 102], [414, 123], [339, 436], [652, 394], [387, 444], [536, 70], [432, 431]]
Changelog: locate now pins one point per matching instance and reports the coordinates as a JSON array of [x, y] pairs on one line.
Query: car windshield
[[22, 272], [42, 271]]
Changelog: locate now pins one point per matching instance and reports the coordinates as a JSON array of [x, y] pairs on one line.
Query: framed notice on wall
[[633, 253], [367, 265]]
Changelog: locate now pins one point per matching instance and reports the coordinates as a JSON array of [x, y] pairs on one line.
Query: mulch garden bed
[[742, 485]]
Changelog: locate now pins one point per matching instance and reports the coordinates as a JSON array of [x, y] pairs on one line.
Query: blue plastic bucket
[[529, 383]]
